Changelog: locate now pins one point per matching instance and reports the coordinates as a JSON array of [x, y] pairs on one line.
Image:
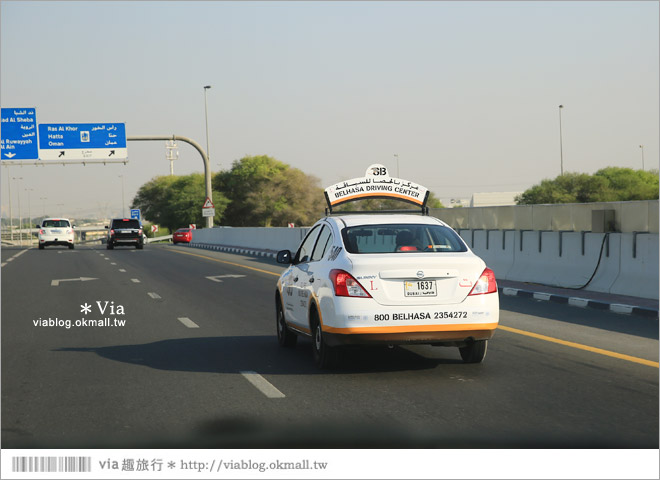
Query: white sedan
[[386, 279], [56, 231]]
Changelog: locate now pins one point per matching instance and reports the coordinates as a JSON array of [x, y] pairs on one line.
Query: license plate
[[420, 288], [56, 231]]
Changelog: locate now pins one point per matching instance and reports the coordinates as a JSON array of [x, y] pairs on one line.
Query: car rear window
[[401, 238], [56, 223], [126, 223]]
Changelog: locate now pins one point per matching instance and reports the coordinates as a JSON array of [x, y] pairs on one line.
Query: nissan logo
[[420, 274]]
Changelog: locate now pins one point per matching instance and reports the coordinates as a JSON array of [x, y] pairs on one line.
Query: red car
[[182, 235]]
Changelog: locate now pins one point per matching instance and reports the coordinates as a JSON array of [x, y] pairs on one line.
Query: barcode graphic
[[51, 464]]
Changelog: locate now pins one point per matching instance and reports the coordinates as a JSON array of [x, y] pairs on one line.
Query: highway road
[[188, 357]]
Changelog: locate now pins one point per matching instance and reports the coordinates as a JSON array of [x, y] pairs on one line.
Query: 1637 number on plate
[[420, 288]]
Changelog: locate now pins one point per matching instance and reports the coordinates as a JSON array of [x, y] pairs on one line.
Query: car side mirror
[[38, 226], [284, 256], [106, 226]]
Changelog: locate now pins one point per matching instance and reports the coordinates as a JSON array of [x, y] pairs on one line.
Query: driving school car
[[384, 278]]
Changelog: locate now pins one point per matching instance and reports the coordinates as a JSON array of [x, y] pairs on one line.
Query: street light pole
[[20, 219], [206, 119], [43, 204], [642, 147], [11, 215], [561, 150], [28, 190], [123, 209]]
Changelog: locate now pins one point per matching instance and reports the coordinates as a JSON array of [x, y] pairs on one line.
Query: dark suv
[[125, 231]]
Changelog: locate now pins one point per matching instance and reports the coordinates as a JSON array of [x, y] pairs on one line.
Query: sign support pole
[[198, 147]]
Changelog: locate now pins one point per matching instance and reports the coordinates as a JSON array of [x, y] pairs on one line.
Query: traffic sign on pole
[[82, 141], [135, 213], [19, 134]]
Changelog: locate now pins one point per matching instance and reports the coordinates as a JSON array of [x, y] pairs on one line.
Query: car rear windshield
[[55, 223], [126, 223], [401, 238]]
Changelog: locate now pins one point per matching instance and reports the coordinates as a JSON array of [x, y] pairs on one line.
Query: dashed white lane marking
[[122, 270], [153, 295], [14, 256], [113, 263], [263, 385], [187, 322], [135, 280]]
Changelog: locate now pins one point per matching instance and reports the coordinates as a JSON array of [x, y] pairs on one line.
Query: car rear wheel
[[285, 337], [324, 356], [474, 352], [110, 246], [71, 246], [41, 246]]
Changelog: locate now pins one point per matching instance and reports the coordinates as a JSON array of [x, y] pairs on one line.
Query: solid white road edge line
[[263, 385]]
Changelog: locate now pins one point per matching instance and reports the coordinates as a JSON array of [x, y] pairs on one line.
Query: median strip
[[225, 262]]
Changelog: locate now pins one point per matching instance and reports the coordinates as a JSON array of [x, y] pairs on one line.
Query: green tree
[[606, 185], [263, 191], [176, 201]]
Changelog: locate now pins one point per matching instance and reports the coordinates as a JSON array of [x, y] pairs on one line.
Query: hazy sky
[[465, 93]]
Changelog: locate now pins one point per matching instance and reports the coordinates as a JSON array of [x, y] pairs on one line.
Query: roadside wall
[[547, 244], [629, 217]]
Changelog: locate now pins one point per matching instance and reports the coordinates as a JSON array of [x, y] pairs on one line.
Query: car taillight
[[346, 286], [140, 231], [485, 284], [112, 232], [41, 232]]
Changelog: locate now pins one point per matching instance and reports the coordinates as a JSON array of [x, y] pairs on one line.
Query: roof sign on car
[[376, 183]]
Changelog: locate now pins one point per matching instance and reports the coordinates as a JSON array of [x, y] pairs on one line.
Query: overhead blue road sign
[[82, 141], [19, 134], [135, 213]]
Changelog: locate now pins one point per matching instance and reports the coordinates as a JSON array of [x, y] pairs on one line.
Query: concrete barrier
[[259, 238], [638, 272], [624, 263]]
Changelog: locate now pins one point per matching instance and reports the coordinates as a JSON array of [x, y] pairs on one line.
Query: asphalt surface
[[197, 364]]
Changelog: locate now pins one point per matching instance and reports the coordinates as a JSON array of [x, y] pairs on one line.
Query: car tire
[[71, 247], [139, 246], [41, 246], [474, 352], [324, 356], [285, 337], [110, 246]]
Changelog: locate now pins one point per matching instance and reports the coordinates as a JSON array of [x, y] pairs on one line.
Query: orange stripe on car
[[375, 194], [413, 328]]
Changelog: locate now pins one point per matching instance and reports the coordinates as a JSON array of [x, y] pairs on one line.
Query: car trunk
[[418, 278]]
